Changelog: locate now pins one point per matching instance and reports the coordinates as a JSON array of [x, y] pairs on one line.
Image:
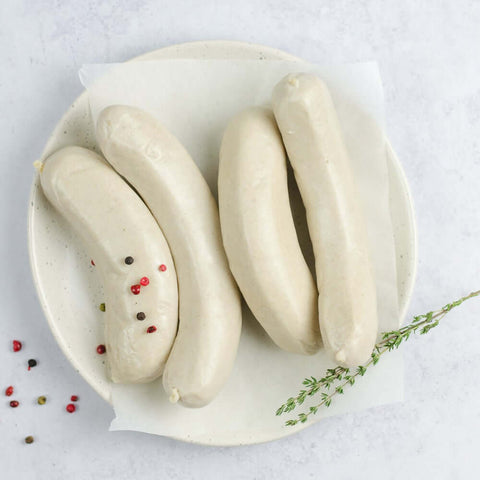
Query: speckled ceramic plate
[[57, 257]]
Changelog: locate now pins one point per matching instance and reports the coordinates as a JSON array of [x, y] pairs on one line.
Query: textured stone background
[[428, 52]]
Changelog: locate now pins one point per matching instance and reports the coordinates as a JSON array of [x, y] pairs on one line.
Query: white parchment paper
[[195, 99]]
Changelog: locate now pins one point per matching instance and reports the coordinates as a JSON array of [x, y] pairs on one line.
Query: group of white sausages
[[166, 256]]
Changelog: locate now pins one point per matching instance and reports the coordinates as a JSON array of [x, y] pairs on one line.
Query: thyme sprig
[[337, 379]]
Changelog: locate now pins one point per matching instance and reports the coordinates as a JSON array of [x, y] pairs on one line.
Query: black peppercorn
[[32, 363], [141, 316], [128, 260]]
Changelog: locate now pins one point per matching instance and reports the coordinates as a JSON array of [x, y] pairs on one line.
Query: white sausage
[[312, 136], [259, 234], [168, 180], [115, 224]]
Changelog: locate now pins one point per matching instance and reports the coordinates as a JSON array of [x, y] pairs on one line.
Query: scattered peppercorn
[[32, 363], [141, 316], [9, 391], [42, 400], [101, 349], [162, 267], [14, 403], [102, 307], [129, 260], [74, 398], [70, 408], [151, 329], [29, 439], [17, 345], [144, 281], [135, 289]]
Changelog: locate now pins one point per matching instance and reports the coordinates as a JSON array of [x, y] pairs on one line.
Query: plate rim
[[163, 52]]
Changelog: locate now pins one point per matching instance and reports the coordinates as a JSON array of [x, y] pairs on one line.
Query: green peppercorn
[[42, 400], [29, 439], [102, 307]]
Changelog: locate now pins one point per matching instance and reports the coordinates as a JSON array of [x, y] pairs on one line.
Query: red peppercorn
[[74, 398], [135, 289], [92, 262], [70, 408], [17, 346], [151, 329], [162, 267], [9, 391], [101, 349], [144, 281], [14, 404]]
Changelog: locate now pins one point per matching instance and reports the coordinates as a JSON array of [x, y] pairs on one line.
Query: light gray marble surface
[[428, 52]]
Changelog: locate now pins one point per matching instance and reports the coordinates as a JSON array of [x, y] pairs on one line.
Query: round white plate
[[64, 279]]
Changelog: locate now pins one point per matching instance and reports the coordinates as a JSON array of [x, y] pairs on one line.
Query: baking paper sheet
[[195, 99]]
